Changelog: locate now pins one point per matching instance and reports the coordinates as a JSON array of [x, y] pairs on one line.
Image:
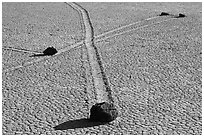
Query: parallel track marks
[[124, 27], [104, 37], [20, 50], [100, 80], [71, 47]]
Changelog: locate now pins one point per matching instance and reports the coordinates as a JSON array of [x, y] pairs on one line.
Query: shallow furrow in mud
[[89, 84], [132, 26], [68, 48], [101, 85], [128, 29], [98, 38], [20, 50], [124, 27]]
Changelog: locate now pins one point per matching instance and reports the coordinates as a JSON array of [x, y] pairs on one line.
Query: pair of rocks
[[100, 112], [103, 112], [166, 14]]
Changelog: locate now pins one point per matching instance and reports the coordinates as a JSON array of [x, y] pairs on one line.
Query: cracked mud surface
[[152, 65]]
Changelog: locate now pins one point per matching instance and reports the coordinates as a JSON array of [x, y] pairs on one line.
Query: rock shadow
[[47, 52], [79, 123]]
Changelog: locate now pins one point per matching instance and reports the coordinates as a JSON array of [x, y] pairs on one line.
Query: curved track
[[101, 85]]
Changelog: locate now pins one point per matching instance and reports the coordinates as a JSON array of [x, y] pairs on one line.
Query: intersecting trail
[[100, 81], [109, 34]]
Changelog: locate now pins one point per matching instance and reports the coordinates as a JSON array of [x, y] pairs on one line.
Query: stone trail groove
[[132, 26], [101, 37], [124, 27], [119, 32], [101, 84], [68, 48], [20, 50]]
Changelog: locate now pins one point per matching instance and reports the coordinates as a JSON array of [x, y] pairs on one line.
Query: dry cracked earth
[[151, 65]]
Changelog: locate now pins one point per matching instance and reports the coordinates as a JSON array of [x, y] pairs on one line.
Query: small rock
[[164, 14], [50, 51], [103, 112], [181, 15]]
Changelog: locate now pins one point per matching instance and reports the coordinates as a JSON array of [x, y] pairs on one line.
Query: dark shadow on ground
[[79, 123], [37, 55]]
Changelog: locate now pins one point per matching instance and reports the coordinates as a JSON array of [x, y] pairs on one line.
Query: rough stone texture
[[103, 112], [164, 14], [50, 51]]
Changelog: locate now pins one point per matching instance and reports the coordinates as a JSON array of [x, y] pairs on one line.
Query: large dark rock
[[103, 112], [50, 51], [164, 14]]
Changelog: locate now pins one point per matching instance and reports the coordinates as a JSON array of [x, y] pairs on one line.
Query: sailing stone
[[103, 112]]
